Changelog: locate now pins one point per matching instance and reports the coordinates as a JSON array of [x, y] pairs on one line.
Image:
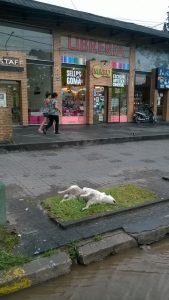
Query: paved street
[[32, 176]]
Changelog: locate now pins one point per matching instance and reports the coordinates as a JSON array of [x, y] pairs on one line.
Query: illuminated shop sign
[[119, 80], [100, 71], [93, 46], [162, 78], [10, 61], [73, 76]]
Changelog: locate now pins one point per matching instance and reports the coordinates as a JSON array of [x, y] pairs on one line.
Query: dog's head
[[111, 199]]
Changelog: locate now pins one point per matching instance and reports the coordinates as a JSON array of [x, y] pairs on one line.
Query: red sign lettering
[[100, 47]]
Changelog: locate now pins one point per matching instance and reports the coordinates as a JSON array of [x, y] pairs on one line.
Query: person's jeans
[[53, 118]]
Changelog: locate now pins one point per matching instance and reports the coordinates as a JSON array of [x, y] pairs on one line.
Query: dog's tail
[[62, 192], [69, 189]]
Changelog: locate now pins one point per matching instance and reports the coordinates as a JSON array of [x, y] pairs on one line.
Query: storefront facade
[[100, 78], [87, 96], [147, 88]]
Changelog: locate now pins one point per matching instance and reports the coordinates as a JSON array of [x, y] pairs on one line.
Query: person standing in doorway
[[53, 116], [45, 111]]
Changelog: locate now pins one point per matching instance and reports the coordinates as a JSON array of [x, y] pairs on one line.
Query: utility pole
[[166, 24]]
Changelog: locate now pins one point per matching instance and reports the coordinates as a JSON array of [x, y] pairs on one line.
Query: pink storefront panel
[[123, 119], [73, 120], [120, 119], [34, 120]]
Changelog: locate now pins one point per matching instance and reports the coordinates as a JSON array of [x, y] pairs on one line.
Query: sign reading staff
[[10, 61]]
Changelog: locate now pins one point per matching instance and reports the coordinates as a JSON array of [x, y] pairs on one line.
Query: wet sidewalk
[[28, 138]]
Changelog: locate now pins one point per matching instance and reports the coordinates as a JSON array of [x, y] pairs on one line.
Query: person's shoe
[[40, 130], [44, 131], [57, 132]]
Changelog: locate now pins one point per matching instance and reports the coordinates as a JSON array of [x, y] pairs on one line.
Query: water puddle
[[137, 274]]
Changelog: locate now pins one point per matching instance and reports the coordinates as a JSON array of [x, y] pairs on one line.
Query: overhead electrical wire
[[127, 19]]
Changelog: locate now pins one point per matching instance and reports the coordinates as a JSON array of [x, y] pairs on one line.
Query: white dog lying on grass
[[90, 195]]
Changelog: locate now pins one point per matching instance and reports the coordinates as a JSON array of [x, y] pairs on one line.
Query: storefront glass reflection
[[142, 91], [36, 43], [39, 82]]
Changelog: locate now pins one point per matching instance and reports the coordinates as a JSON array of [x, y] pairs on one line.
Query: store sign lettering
[[119, 80], [162, 78], [10, 61], [95, 46], [99, 71], [74, 77]]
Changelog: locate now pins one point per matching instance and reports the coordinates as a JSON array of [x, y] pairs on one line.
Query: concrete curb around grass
[[151, 236], [86, 220], [46, 268], [93, 250], [35, 272]]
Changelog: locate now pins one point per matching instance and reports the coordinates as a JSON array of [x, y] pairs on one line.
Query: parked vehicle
[[144, 115]]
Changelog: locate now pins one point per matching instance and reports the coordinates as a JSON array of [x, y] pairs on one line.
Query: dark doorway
[[13, 98]]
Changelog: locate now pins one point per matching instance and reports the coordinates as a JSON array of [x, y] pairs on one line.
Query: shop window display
[[73, 101]]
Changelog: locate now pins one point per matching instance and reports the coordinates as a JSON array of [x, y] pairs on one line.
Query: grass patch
[[71, 250], [7, 260], [126, 196], [97, 237], [8, 240], [49, 253]]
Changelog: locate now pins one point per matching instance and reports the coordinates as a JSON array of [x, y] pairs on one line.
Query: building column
[[24, 102], [153, 92], [6, 130], [57, 75], [89, 93], [109, 104], [165, 113], [132, 62]]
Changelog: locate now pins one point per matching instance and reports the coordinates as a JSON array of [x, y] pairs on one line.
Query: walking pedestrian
[[53, 114], [45, 111]]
